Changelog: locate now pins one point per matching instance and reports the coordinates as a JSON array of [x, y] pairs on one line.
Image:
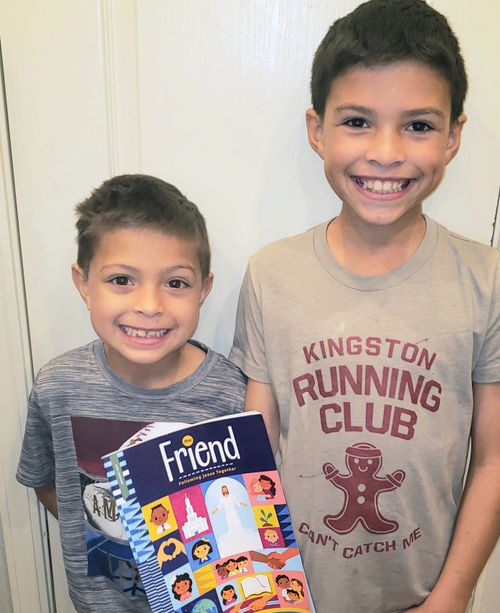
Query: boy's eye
[[356, 122], [419, 126], [120, 280], [177, 284]]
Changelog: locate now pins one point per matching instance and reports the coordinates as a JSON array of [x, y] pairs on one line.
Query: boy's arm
[[478, 524], [46, 494], [260, 397]]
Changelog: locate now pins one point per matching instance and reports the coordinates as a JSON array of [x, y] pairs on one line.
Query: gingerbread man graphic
[[362, 487]]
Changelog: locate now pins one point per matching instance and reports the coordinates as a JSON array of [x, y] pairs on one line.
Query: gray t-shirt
[[78, 411], [373, 377]]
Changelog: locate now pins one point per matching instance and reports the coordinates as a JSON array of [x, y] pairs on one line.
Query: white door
[[210, 95]]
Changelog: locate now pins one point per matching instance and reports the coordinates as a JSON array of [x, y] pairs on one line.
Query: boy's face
[[144, 290], [159, 515], [385, 139], [271, 536]]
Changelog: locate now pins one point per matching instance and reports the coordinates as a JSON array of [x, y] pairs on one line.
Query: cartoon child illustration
[[283, 582], [201, 551], [228, 594], [292, 596], [222, 571], [257, 490], [242, 563], [182, 587], [159, 516], [271, 536], [298, 586], [268, 486], [232, 567]]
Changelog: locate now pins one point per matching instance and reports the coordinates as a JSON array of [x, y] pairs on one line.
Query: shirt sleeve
[[248, 351], [487, 367], [36, 465]]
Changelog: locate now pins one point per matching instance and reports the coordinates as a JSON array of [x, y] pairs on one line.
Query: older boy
[[143, 271], [372, 341]]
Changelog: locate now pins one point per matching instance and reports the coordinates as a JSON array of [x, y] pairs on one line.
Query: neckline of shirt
[[378, 282], [176, 389]]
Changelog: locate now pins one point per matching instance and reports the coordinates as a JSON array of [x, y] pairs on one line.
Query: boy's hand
[[46, 494], [260, 397], [478, 523]]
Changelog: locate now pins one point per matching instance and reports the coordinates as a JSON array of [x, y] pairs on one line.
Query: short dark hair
[[139, 201], [199, 544], [381, 32]]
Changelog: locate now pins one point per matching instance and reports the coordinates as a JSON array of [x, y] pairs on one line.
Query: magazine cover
[[206, 518]]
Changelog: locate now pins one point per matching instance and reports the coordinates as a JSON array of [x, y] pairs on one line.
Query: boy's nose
[[149, 301], [386, 148]]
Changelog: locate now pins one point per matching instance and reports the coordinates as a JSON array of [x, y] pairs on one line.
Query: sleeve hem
[[32, 483], [247, 367]]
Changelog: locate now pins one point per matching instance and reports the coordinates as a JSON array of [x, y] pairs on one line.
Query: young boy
[[372, 341], [143, 271]]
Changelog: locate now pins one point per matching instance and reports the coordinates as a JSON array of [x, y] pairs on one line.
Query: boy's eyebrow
[[430, 110], [132, 269], [366, 110]]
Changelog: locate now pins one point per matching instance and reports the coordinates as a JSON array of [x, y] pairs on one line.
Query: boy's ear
[[454, 137], [315, 131], [206, 287], [81, 283]]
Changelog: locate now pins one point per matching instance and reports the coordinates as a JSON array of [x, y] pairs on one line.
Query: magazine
[[205, 515]]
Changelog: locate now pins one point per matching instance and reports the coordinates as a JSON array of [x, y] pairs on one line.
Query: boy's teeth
[[144, 333], [382, 187]]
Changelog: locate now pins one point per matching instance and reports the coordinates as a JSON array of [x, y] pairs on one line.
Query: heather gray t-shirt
[[373, 377], [78, 411]]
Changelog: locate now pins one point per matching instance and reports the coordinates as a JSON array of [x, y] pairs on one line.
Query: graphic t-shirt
[[80, 410], [373, 381]]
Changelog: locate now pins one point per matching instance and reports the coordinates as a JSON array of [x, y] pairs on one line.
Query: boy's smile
[[144, 291], [385, 139], [143, 335]]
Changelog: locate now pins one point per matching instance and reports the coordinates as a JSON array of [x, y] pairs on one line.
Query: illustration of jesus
[[235, 533]]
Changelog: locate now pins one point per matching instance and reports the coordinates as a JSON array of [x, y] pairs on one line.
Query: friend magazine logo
[[191, 455], [194, 457]]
